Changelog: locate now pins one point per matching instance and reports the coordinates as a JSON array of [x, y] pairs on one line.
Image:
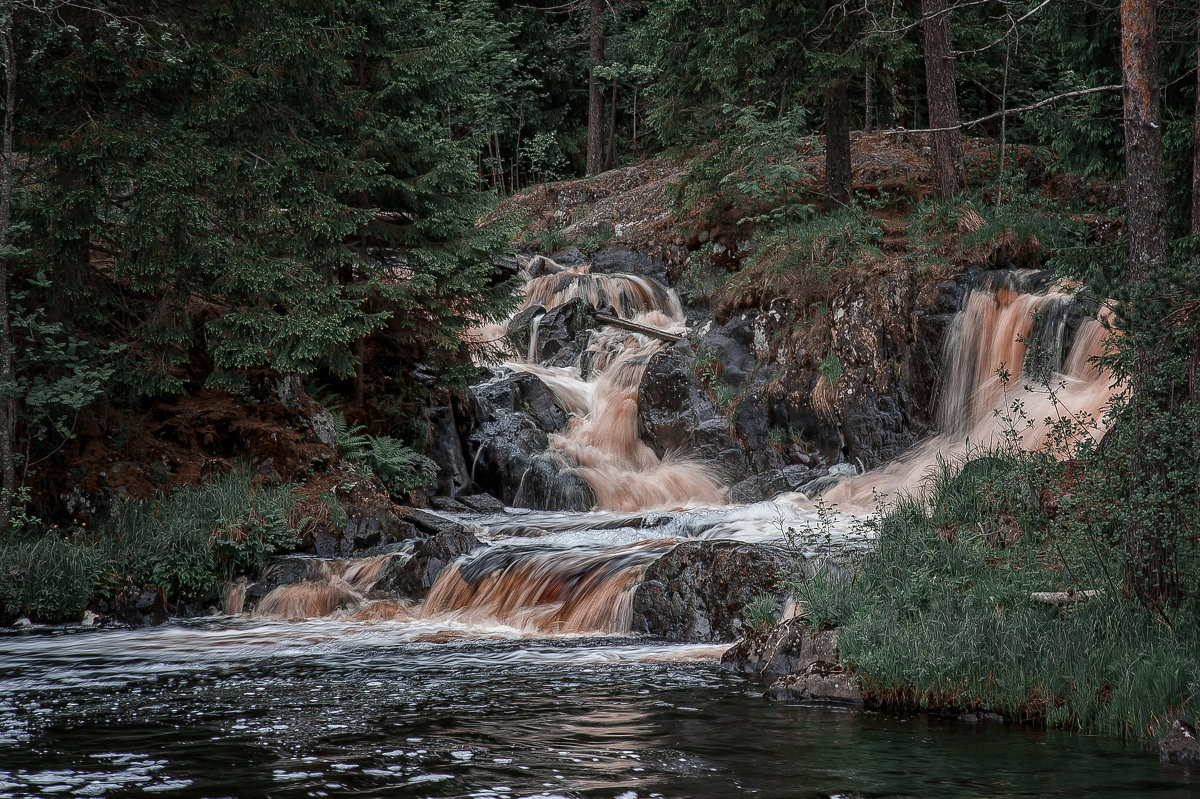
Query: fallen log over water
[[634, 327]]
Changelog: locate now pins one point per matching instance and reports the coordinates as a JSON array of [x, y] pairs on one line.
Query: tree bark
[[1145, 192], [868, 98], [1196, 151], [946, 159], [837, 145], [610, 159], [8, 473], [1147, 549], [595, 133]]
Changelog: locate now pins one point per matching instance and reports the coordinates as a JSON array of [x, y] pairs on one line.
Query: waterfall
[[601, 442], [986, 396]]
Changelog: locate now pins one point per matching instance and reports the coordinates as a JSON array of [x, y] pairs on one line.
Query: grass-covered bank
[[184, 544], [942, 615]]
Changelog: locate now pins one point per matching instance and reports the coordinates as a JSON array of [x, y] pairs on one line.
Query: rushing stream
[[515, 675], [247, 708]]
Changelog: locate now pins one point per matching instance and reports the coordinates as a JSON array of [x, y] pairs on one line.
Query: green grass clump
[[186, 543], [941, 614]]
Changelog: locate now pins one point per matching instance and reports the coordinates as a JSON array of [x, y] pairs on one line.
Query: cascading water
[[377, 694], [553, 573], [601, 443], [988, 397]]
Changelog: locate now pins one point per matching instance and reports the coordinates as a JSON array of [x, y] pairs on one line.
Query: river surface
[[245, 708]]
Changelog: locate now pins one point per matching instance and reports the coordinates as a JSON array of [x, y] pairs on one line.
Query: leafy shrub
[[398, 466]]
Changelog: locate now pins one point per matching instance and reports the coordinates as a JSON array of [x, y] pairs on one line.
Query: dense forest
[[203, 204]]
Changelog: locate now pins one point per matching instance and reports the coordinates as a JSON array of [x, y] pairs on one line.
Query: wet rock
[[822, 682], [510, 447], [981, 717], [785, 648], [700, 590], [280, 571], [363, 533], [802, 665], [427, 523], [413, 576], [562, 334], [617, 258], [524, 393], [1180, 745], [139, 606], [482, 503], [675, 416], [520, 326], [444, 447], [766, 486], [550, 484]]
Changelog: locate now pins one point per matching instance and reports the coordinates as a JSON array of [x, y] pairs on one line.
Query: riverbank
[[979, 601]]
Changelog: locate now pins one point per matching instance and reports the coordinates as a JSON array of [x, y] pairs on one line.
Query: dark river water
[[245, 708]]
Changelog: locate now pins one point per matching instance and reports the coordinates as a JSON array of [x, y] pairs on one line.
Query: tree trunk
[[1196, 151], [610, 159], [837, 145], [946, 160], [8, 408], [595, 133], [868, 98], [1147, 571]]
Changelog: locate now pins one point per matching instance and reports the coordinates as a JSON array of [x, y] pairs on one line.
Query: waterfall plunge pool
[[244, 707]]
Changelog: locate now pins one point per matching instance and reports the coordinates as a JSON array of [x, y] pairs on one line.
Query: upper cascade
[[598, 387]]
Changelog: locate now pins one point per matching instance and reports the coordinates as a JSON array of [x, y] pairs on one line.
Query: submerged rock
[[700, 590]]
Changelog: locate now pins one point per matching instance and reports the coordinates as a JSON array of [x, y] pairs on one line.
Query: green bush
[[49, 578]]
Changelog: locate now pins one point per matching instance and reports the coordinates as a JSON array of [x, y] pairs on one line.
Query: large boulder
[[563, 333], [444, 447], [701, 590], [510, 447], [413, 576], [523, 393], [676, 416]]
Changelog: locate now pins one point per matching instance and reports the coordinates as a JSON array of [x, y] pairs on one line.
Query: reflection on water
[[246, 708]]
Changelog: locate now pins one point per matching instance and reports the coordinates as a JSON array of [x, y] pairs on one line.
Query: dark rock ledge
[[802, 665]]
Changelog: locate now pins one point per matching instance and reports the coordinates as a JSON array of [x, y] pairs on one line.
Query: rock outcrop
[[802, 665], [1180, 745], [510, 446], [700, 590], [411, 577]]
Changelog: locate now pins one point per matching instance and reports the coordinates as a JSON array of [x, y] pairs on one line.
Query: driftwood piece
[[1062, 598], [634, 327]]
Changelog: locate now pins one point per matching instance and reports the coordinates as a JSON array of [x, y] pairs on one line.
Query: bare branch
[[1010, 111]]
